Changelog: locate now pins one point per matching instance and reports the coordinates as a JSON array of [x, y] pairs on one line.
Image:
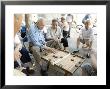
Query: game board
[[66, 61]]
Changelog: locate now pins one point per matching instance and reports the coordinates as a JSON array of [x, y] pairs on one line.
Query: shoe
[[30, 71], [43, 73], [25, 72], [88, 55], [76, 51]]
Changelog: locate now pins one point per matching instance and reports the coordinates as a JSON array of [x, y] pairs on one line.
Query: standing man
[[69, 19]]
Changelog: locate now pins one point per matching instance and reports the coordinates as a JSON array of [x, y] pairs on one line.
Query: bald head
[[41, 23]]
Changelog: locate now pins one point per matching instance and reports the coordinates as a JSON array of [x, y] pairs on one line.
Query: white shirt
[[17, 42], [52, 33], [65, 26], [44, 29], [86, 34]]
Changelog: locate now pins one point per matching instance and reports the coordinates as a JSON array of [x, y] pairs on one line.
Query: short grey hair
[[40, 19]]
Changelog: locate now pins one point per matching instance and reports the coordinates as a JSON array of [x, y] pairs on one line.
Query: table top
[[64, 60]]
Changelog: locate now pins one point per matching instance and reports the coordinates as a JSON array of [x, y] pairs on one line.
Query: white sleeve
[[60, 33], [17, 42], [48, 33], [91, 35], [80, 33], [45, 30]]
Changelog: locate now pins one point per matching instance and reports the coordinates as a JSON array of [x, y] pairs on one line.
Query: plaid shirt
[[36, 36]]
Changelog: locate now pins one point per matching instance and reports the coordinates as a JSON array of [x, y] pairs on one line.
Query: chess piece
[[76, 65], [79, 62], [53, 55], [77, 55], [83, 58], [74, 56], [61, 57], [56, 56], [80, 56], [72, 59]]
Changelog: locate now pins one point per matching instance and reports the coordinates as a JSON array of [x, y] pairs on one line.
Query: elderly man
[[38, 43], [54, 35], [69, 19], [86, 36]]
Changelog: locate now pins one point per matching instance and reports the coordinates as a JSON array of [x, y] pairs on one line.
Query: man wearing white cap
[[86, 36]]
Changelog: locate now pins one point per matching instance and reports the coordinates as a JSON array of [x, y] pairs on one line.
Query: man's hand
[[57, 40], [17, 55], [50, 49]]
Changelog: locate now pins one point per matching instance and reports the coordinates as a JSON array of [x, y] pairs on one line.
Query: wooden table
[[67, 62]]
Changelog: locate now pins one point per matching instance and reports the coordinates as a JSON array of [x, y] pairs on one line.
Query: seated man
[[54, 35], [86, 36], [38, 44]]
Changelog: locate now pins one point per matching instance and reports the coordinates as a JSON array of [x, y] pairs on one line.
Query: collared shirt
[[36, 36], [86, 34], [54, 33]]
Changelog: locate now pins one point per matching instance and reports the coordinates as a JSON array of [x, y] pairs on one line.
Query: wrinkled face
[[87, 24], [54, 25], [41, 24]]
